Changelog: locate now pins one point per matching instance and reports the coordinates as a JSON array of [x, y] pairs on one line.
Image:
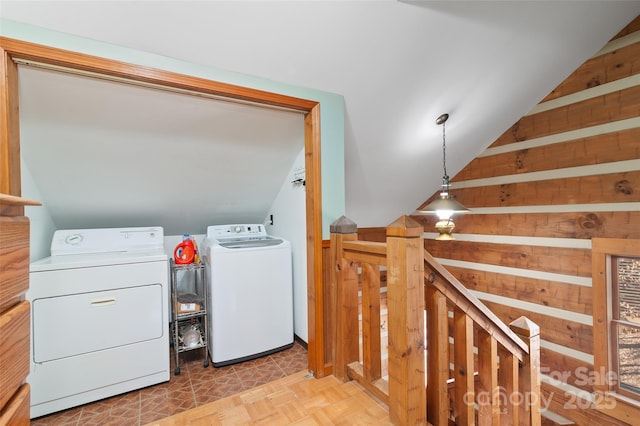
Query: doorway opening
[[16, 52]]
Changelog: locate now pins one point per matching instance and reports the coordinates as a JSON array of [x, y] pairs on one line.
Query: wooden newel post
[[529, 383], [405, 302], [344, 298]]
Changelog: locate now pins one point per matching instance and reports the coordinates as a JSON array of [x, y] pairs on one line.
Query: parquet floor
[[299, 399]]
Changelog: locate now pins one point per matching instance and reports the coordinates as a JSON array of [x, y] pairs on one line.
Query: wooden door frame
[[16, 50]]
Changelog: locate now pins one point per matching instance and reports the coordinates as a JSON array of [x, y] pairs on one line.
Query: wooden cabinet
[[16, 412], [14, 311]]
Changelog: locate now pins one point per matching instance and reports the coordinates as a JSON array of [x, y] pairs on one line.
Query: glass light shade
[[445, 207]]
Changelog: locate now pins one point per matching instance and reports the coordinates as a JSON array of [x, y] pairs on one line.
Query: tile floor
[[195, 386]]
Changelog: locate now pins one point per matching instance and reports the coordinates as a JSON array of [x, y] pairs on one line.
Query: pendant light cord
[[445, 179], [444, 154]]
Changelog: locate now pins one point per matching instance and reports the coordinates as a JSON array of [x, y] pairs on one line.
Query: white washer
[[99, 324], [250, 293]]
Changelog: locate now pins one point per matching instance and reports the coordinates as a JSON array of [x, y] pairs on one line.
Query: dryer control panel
[[106, 240]]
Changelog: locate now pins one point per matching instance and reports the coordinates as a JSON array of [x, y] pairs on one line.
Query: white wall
[[289, 222], [42, 226]]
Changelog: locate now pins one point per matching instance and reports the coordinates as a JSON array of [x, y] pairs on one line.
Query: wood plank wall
[[565, 173]]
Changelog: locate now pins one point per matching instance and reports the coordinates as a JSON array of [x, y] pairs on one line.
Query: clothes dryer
[[99, 324]]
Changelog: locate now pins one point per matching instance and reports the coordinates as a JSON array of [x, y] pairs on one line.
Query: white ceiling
[[399, 65]]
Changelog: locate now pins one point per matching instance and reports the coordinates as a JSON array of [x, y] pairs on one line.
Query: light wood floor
[[298, 399]]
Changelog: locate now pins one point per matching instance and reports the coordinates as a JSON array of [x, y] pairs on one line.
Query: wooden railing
[[467, 368]]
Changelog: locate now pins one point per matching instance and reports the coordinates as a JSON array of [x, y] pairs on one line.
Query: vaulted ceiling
[[399, 65]]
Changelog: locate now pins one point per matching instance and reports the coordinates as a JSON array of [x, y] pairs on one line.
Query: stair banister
[[449, 285], [462, 388]]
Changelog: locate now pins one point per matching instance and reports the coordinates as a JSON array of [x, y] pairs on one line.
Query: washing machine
[[99, 316], [250, 293]]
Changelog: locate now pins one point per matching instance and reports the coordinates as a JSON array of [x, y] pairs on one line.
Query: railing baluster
[[508, 378], [529, 387], [371, 351], [437, 357], [347, 347], [464, 410], [489, 393]]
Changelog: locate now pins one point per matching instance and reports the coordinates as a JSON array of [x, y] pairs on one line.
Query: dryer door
[[76, 324]]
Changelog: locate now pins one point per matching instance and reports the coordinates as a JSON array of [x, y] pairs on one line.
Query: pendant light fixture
[[444, 206]]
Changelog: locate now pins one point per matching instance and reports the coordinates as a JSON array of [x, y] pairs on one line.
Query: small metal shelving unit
[[189, 329]]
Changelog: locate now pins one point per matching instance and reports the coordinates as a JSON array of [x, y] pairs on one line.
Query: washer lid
[[248, 242]]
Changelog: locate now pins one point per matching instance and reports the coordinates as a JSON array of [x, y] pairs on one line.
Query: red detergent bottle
[[185, 251]]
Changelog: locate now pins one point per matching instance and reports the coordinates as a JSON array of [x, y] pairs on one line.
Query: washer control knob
[[237, 229]]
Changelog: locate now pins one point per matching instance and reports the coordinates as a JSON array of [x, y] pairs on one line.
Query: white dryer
[[99, 324], [250, 293]]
